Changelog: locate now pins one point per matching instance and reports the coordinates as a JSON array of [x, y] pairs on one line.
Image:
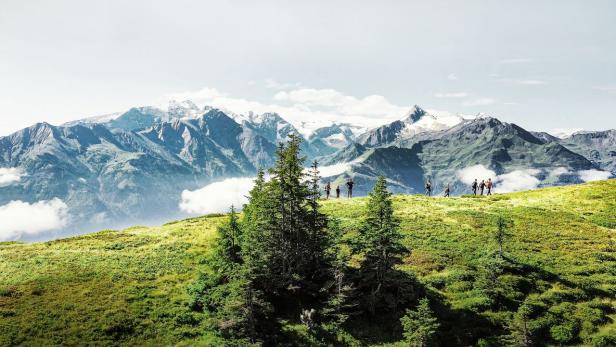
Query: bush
[[564, 333], [607, 340]]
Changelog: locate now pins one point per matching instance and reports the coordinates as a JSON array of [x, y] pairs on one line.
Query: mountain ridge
[[134, 166]]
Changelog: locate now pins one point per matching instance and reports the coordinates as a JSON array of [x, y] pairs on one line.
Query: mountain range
[[132, 167]]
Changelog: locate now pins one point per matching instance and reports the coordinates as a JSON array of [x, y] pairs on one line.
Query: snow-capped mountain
[[131, 167], [415, 122], [563, 133]]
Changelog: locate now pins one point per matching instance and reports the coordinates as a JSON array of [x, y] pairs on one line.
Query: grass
[[129, 287]]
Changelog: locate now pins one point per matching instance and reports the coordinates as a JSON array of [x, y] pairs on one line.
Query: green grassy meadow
[[129, 287]]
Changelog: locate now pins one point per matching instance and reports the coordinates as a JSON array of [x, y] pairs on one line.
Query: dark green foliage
[[283, 218], [228, 247], [501, 234], [275, 259], [380, 243], [521, 328], [420, 325], [340, 302]]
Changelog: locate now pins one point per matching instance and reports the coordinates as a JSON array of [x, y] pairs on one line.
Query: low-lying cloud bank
[[594, 175], [525, 179], [470, 173], [10, 175], [217, 197], [518, 180], [333, 170], [510, 182], [20, 219]]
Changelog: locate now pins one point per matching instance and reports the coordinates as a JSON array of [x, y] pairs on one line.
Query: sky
[[539, 64]]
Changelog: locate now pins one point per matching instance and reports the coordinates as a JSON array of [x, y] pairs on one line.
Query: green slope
[[130, 287]]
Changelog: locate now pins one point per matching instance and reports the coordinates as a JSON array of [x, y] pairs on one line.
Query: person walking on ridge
[[489, 186], [328, 189], [338, 192], [474, 187], [482, 185], [350, 188], [429, 188], [447, 190]]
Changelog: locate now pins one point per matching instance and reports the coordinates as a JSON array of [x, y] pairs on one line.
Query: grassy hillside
[[130, 287]]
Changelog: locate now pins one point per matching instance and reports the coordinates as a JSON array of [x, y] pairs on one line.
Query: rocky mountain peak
[[183, 109], [414, 114]]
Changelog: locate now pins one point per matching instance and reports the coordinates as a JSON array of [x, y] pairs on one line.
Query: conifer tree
[[420, 325], [380, 241], [501, 234], [285, 229], [228, 245], [317, 223], [521, 333], [255, 232], [339, 304]]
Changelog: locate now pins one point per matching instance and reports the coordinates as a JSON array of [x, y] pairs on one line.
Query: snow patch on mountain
[[563, 133]]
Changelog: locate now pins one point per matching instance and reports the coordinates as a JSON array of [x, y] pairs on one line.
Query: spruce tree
[[254, 223], [339, 305], [519, 326], [285, 229], [501, 234], [420, 326], [380, 241], [229, 235], [317, 223]]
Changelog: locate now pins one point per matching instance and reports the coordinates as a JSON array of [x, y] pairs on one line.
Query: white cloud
[[517, 180], [217, 197], [10, 175], [594, 175], [333, 170], [557, 172], [527, 82], [506, 183], [452, 77], [273, 84], [531, 82], [200, 96], [607, 88], [306, 108], [451, 95], [516, 60], [18, 218], [346, 105], [469, 174], [479, 102]]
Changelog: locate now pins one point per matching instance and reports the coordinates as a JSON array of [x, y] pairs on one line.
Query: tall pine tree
[[380, 242], [285, 229], [229, 235], [420, 326]]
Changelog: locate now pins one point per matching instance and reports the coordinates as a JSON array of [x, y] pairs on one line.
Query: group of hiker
[[349, 185], [484, 185]]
